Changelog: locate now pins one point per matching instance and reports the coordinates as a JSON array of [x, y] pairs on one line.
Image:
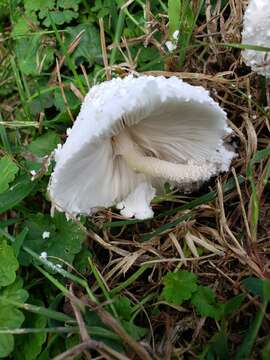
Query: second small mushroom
[[256, 31], [131, 136]]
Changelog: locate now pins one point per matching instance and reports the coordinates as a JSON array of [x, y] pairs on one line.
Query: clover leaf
[[179, 286]]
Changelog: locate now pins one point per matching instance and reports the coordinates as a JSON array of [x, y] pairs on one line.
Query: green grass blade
[[129, 281], [255, 206], [3, 136], [174, 7], [245, 349], [117, 36]]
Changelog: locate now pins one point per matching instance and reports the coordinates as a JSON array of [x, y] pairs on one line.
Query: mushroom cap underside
[[168, 118]]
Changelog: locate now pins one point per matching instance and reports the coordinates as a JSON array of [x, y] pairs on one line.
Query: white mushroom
[[131, 136], [256, 31]]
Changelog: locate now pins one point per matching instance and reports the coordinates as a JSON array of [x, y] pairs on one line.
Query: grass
[[100, 287]]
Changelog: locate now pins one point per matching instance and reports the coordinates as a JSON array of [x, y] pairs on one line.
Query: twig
[[90, 344], [83, 332], [103, 47], [62, 90]]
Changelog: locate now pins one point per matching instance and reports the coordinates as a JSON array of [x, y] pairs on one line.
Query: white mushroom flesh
[[256, 31]]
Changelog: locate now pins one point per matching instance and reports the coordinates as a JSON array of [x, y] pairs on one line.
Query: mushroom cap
[[167, 118], [256, 31]]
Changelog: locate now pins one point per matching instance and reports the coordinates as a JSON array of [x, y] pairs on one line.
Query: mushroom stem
[[155, 167]]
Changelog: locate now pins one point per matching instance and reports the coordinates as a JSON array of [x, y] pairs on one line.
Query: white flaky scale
[[256, 31], [131, 136], [46, 235]]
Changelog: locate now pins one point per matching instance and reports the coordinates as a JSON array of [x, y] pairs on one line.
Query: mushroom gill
[[155, 167]]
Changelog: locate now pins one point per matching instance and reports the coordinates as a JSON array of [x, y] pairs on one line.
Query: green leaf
[[31, 54], [10, 316], [21, 27], [58, 17], [205, 303], [6, 345], [102, 332], [123, 307], [59, 102], [136, 332], [29, 346], [255, 203], [44, 144], [81, 260], [244, 350], [8, 264], [265, 355], [217, 349], [8, 170], [19, 239], [232, 305], [13, 292], [43, 100], [38, 5], [16, 193], [69, 4], [258, 287], [72, 341], [26, 50], [64, 241], [179, 286], [88, 49]]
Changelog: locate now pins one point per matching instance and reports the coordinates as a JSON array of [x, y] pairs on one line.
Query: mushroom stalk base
[[190, 172]]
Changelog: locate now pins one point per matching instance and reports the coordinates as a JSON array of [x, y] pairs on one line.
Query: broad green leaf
[[81, 260], [88, 49], [8, 170], [42, 101], [44, 144], [13, 292], [64, 241], [10, 316], [4, 10], [8, 264], [179, 286], [29, 346], [205, 303], [6, 345], [21, 27], [123, 307], [59, 102], [30, 53], [38, 5], [136, 332], [58, 17], [150, 59], [69, 4], [16, 193]]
